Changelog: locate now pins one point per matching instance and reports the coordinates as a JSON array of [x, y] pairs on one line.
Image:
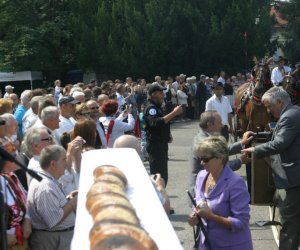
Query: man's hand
[[177, 110], [247, 137], [248, 150], [72, 194], [245, 159]]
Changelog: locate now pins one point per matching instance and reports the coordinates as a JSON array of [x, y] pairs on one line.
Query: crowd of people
[[47, 130]]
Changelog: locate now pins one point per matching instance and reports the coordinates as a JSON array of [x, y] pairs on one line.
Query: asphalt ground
[[179, 176]]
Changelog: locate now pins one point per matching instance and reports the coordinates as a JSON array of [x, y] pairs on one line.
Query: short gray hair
[[275, 94], [34, 103], [206, 117], [49, 113], [25, 96], [214, 146], [8, 118], [50, 153], [33, 137]]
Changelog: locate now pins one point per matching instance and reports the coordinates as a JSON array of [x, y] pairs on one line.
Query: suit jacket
[[284, 149], [230, 199], [234, 148]]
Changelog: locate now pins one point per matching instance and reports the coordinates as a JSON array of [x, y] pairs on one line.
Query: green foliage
[[140, 38], [291, 12]]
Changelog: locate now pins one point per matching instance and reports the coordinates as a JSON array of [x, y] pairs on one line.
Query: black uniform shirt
[[156, 128]]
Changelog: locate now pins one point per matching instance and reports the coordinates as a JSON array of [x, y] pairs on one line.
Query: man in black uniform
[[158, 131]]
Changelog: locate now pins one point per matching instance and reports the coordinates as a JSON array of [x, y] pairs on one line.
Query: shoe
[[172, 211]]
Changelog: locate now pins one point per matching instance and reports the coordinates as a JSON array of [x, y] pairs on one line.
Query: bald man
[[129, 141]]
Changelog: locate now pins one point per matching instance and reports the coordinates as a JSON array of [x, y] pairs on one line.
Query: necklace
[[210, 184]]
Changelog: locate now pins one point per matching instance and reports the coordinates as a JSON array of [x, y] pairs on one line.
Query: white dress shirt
[[65, 125], [222, 107], [277, 77]]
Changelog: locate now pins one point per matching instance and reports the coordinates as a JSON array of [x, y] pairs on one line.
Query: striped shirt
[[45, 202]]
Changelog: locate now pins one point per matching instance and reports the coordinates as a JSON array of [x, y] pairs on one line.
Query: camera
[[124, 107]]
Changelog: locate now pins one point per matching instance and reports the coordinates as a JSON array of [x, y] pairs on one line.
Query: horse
[[292, 87], [251, 113]]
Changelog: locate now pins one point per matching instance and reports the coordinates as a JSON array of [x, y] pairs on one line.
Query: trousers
[[289, 208], [158, 158]]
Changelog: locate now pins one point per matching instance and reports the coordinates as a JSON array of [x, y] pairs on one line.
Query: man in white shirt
[[67, 105], [280, 71], [220, 103]]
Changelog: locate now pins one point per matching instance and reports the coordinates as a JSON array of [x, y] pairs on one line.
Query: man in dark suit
[[283, 150], [211, 124]]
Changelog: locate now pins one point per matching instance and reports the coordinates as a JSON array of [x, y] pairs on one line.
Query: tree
[[36, 35], [291, 12]]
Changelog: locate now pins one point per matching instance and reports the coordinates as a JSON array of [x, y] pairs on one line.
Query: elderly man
[[283, 150], [22, 108], [158, 131], [31, 115], [211, 124], [52, 213], [50, 120], [95, 115], [67, 105], [15, 99], [38, 138], [8, 90]]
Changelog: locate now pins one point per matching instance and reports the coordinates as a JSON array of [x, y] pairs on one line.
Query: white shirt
[[34, 164], [65, 125], [222, 107], [69, 181], [277, 77], [121, 101], [28, 120], [182, 97], [222, 80], [118, 129]]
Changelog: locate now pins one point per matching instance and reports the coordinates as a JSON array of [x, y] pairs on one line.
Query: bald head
[[128, 141]]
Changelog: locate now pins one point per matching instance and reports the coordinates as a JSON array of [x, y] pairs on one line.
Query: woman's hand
[[204, 212], [26, 228], [192, 219]]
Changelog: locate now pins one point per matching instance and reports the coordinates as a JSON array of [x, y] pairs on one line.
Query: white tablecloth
[[140, 192]]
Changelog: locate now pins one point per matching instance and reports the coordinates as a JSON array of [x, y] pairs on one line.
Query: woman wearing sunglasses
[[222, 200]]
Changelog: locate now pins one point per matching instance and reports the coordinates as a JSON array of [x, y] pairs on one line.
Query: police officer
[[158, 130]]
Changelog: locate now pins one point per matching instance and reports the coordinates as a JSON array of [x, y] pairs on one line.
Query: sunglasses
[[205, 159], [49, 139], [97, 107]]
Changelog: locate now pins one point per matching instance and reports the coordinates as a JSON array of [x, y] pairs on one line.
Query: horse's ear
[[255, 60], [269, 60]]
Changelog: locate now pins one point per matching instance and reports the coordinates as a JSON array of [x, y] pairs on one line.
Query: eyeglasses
[[205, 159], [96, 107], [49, 139]]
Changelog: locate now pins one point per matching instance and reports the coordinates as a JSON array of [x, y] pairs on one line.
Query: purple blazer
[[230, 199]]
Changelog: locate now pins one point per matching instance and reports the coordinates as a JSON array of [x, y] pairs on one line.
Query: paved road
[[179, 174]]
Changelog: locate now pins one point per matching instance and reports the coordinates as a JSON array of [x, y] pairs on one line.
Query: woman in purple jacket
[[222, 200]]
